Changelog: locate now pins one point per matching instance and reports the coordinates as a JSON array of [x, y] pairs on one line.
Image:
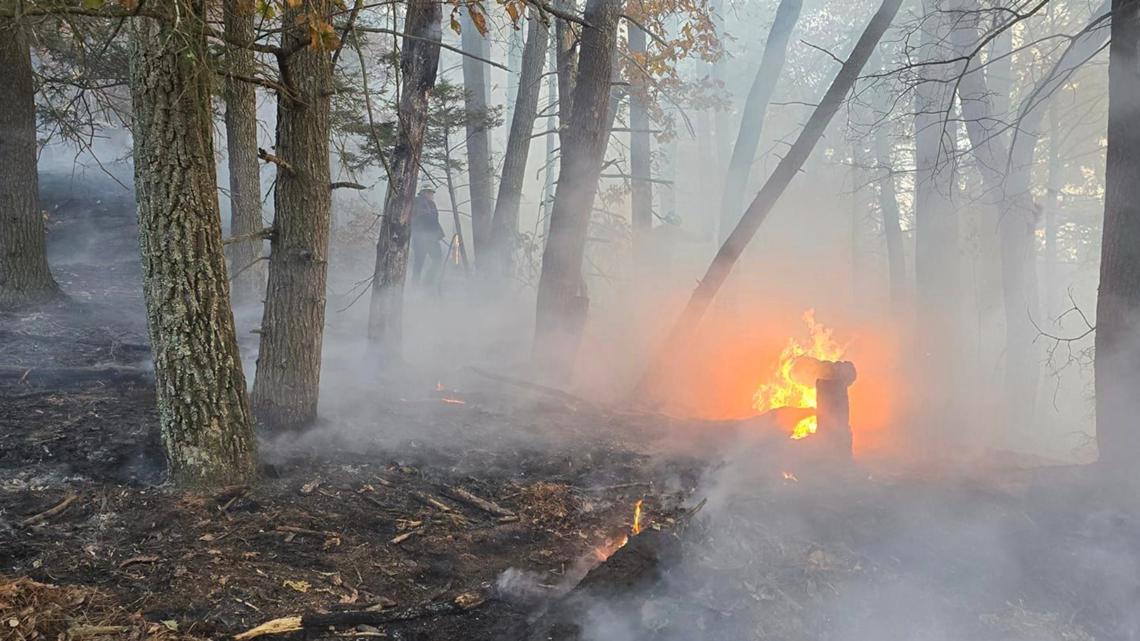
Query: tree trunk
[[505, 225], [552, 124], [287, 384], [1118, 304], [1052, 203], [419, 63], [25, 278], [478, 145], [640, 154], [889, 208], [202, 405], [781, 177], [561, 293], [936, 249], [566, 58], [755, 108], [1016, 224], [248, 285]]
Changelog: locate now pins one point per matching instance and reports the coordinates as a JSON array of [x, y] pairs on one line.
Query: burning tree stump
[[833, 410]]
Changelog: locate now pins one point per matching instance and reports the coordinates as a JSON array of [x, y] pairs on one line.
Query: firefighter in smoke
[[426, 236]]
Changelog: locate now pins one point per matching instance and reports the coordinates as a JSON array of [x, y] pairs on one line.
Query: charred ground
[[352, 518]]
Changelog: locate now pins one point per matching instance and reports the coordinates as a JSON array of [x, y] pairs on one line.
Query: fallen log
[[69, 375], [633, 569], [324, 620]]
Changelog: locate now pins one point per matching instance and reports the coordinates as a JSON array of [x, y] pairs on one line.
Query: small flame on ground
[[784, 391], [791, 476], [607, 549], [453, 401], [636, 529], [439, 386]]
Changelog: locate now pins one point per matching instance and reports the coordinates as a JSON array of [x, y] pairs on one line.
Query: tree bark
[[419, 63], [640, 155], [1118, 303], [755, 108], [241, 150], [781, 177], [287, 384], [478, 145], [203, 409], [552, 123], [505, 225], [561, 292], [25, 278]]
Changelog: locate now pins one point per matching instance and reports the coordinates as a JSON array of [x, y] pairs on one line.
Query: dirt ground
[[374, 513]]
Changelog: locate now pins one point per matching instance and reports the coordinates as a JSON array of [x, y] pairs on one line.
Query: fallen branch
[[460, 494], [56, 510], [345, 184], [64, 375]]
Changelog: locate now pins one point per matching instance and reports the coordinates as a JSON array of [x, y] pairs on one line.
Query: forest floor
[[470, 507]]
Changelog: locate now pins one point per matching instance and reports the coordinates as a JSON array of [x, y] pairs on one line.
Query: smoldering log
[[633, 570]]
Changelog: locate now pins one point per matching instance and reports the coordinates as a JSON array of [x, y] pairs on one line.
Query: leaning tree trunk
[[419, 63], [24, 275], [1118, 304], [755, 108], [640, 150], [505, 225], [478, 145], [241, 150], [286, 387], [202, 405], [562, 303], [773, 188]]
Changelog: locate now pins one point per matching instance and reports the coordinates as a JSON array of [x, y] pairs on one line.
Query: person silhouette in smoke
[[426, 236]]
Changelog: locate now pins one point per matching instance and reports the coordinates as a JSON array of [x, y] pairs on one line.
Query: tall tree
[[241, 152], [640, 151], [419, 64], [202, 404], [562, 301], [478, 138], [889, 207], [505, 225], [755, 108], [286, 387], [25, 278], [1118, 304], [936, 249], [725, 259]]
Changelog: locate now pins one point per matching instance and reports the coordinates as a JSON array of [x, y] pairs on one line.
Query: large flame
[[782, 390]]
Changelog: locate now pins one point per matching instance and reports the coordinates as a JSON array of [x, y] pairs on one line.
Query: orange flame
[[636, 529], [783, 390]]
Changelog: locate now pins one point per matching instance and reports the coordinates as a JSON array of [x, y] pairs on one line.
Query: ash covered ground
[[744, 536]]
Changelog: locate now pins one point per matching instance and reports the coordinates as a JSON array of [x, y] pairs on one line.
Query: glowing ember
[[791, 476], [636, 529], [453, 401], [783, 390]]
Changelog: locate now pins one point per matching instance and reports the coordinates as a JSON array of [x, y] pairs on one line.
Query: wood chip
[[400, 538], [276, 626], [138, 559]]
